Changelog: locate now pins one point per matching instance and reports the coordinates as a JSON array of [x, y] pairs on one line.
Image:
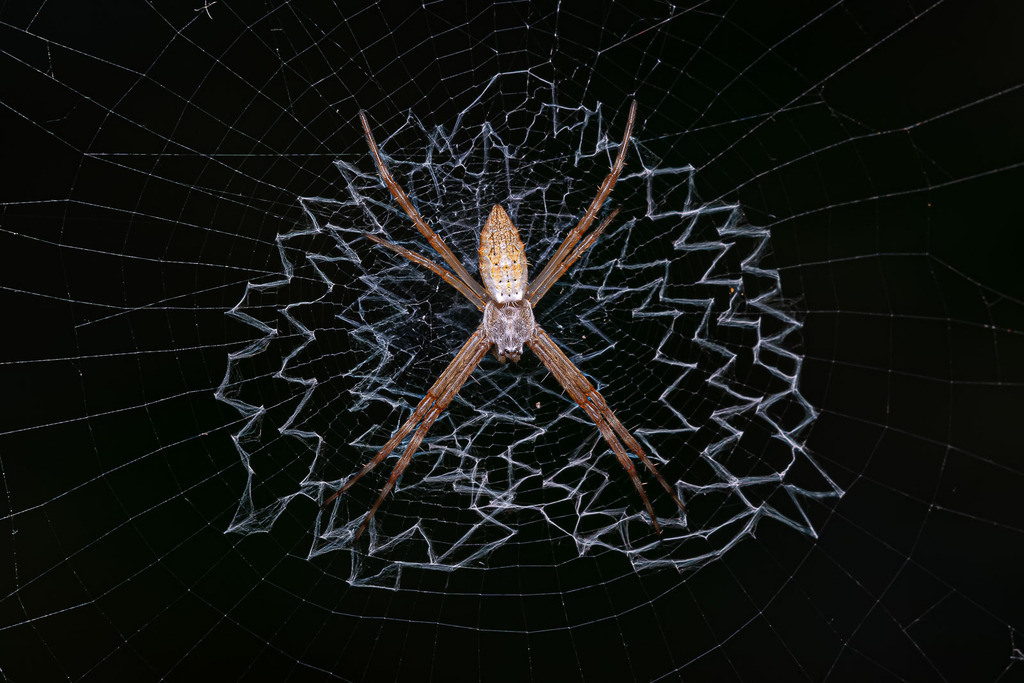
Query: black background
[[881, 142]]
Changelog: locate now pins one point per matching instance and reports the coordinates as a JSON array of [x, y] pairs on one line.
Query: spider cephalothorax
[[507, 300]]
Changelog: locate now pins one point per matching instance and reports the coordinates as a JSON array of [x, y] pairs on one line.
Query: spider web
[[808, 311], [679, 290]]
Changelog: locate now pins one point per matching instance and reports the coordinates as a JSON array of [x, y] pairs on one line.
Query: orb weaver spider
[[506, 299]]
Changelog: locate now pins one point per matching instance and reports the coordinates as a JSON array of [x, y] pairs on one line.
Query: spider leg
[[402, 198], [433, 404], [403, 462], [590, 399], [559, 263], [433, 267], [541, 287]]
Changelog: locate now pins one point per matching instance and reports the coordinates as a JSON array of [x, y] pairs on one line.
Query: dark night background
[[152, 154]]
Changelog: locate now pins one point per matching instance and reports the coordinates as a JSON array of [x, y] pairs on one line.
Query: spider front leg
[[561, 260], [590, 399], [455, 282], [433, 239], [433, 404]]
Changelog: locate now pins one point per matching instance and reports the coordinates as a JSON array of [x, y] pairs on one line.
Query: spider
[[507, 300]]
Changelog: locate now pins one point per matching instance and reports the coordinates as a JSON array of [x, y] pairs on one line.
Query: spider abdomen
[[508, 327], [502, 258]]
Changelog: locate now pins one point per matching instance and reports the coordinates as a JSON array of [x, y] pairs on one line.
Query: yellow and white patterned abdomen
[[502, 258]]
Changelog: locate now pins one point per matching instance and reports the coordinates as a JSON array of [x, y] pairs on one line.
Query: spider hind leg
[[590, 400]]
